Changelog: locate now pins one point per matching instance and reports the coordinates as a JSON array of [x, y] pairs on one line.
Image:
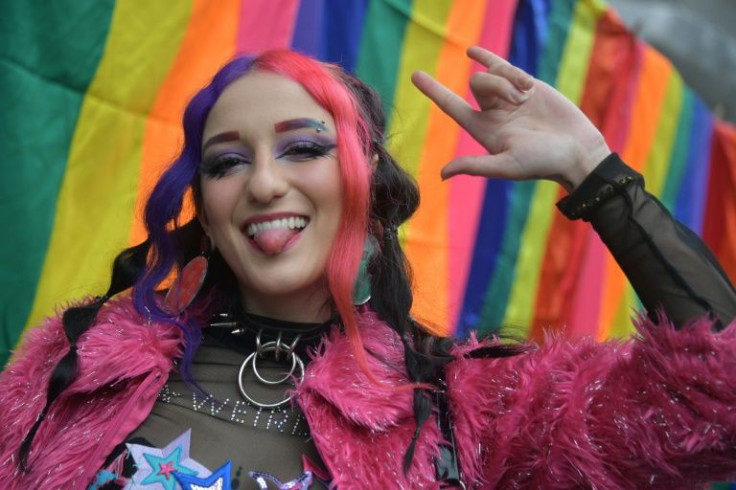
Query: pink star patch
[[166, 469]]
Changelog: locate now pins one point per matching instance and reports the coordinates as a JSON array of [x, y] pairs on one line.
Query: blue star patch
[[219, 480]]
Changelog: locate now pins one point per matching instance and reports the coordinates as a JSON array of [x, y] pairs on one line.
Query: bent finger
[[499, 66], [488, 88], [447, 100]]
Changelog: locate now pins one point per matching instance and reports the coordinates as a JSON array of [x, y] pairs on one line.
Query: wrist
[[584, 165]]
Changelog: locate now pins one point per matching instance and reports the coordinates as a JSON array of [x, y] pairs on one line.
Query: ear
[[374, 160]]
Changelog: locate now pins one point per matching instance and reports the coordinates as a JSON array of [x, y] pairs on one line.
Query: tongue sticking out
[[274, 240]]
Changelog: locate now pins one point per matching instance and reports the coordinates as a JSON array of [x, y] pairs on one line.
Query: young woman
[[285, 355]]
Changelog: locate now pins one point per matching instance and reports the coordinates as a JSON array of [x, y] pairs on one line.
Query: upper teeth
[[292, 223]]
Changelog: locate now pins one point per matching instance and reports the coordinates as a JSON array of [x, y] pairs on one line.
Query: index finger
[[485, 57], [451, 103]]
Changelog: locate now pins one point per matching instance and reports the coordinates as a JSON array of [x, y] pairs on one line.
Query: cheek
[[326, 190], [335, 205], [219, 200]]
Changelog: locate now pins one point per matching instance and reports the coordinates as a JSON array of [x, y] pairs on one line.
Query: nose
[[267, 180]]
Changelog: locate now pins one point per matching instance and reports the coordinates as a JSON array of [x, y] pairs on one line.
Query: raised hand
[[530, 130]]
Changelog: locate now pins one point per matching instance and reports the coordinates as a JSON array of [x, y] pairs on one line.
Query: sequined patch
[[300, 483], [219, 480]]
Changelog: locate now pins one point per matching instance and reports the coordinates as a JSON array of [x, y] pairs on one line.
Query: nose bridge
[[267, 180]]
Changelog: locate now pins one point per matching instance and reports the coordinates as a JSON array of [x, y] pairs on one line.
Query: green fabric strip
[[41, 100], [680, 149], [558, 24], [381, 46]]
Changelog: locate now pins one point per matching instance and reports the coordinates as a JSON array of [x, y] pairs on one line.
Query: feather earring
[[362, 285], [190, 280]]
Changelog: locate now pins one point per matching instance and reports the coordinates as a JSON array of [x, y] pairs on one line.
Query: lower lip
[[289, 243]]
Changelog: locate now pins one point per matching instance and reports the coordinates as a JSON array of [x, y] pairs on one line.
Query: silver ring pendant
[[273, 347], [296, 362]]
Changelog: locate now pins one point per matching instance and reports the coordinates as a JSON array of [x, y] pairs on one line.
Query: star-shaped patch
[[156, 467], [219, 480]]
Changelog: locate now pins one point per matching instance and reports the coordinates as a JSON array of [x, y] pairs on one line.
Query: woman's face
[[271, 194]]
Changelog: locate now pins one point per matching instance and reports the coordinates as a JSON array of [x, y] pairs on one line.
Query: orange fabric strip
[[209, 41]]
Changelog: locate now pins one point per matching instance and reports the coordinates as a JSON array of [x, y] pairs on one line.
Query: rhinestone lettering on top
[[286, 420]]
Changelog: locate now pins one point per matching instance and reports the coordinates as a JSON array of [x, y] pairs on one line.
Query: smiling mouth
[[276, 235]]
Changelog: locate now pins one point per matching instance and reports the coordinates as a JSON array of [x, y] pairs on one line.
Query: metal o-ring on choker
[[277, 348]]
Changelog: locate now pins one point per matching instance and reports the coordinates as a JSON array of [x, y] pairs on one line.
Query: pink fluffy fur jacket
[[658, 411]]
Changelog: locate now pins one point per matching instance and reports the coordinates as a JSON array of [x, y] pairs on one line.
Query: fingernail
[[519, 97]]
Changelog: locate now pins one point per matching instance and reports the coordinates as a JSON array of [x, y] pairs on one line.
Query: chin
[[286, 287]]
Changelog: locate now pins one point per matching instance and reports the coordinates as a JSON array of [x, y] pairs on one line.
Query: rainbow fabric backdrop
[[93, 92]]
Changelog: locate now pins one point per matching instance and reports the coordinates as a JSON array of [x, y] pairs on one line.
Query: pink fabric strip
[[466, 193], [265, 24], [586, 300]]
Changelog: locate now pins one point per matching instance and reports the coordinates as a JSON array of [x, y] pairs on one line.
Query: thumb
[[490, 166]]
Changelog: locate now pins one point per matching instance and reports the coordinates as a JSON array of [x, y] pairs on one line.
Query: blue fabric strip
[[690, 203]]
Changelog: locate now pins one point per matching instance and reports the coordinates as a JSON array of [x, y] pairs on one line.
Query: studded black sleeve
[[667, 264]]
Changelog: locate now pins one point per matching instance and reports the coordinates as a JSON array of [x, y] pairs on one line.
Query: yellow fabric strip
[[660, 156], [423, 40], [570, 81], [573, 69], [96, 200]]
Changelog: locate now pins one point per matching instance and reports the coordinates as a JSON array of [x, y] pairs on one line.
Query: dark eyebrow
[[293, 124], [222, 137]]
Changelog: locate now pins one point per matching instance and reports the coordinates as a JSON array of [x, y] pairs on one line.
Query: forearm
[[666, 263]]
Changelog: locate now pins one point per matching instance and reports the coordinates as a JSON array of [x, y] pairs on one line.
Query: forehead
[[260, 100]]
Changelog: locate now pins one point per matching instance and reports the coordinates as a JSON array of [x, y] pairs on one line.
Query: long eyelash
[[217, 167], [309, 149]]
